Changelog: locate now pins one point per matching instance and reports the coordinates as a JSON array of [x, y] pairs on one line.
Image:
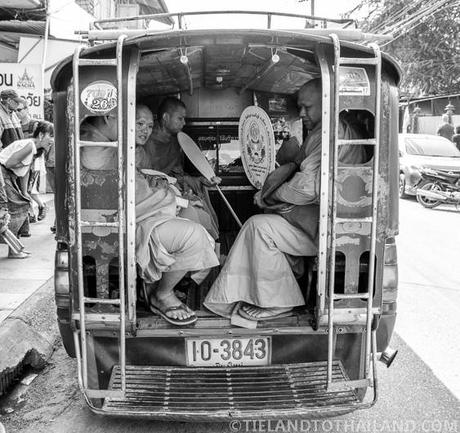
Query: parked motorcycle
[[438, 187]]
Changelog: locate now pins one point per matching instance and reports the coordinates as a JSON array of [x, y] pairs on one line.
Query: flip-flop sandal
[[177, 322], [245, 315], [21, 255]]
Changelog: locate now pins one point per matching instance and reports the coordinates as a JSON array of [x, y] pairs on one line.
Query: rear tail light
[[390, 272], [61, 276]]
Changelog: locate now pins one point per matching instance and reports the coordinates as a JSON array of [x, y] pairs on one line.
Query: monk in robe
[[163, 153], [260, 268]]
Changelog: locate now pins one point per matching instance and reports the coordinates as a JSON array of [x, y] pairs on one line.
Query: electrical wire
[[422, 13], [412, 14], [410, 18], [416, 20], [404, 11]]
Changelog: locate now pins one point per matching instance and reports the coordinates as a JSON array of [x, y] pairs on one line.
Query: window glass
[[431, 146]]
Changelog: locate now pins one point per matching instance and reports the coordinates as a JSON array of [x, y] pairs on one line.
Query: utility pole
[[312, 7], [312, 12]]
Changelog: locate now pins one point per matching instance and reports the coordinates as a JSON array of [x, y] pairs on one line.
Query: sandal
[[20, 255], [177, 322], [270, 313], [163, 313]]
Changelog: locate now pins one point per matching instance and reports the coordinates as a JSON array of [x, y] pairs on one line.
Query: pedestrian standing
[[10, 125], [27, 124], [11, 130], [456, 137], [445, 129], [15, 163]]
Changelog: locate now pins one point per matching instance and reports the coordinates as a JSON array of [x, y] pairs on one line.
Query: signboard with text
[[27, 81]]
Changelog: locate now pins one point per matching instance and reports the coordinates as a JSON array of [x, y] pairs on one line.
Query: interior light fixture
[[275, 56], [183, 57]]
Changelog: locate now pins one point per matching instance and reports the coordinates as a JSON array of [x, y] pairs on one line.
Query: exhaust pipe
[[388, 356], [433, 195]]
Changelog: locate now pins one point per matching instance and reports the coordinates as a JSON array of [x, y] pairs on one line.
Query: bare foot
[[252, 312]]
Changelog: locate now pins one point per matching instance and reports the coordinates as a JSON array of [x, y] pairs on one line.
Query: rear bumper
[[207, 394], [159, 386]]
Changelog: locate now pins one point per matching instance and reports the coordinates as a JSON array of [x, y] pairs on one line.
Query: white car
[[418, 151]]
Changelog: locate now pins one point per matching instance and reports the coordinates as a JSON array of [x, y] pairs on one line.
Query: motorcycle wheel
[[426, 202]]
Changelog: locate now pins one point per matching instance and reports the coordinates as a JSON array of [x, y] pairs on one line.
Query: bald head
[[144, 124], [309, 103]]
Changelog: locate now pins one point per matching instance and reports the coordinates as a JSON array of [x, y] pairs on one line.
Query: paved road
[[414, 393], [429, 290]]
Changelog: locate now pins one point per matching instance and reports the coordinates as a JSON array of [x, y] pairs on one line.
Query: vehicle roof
[[237, 53], [423, 139], [425, 136]]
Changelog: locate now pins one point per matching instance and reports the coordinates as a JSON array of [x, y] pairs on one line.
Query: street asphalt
[[28, 326]]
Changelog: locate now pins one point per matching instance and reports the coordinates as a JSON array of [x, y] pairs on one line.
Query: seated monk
[[163, 153], [167, 247], [259, 270], [193, 207]]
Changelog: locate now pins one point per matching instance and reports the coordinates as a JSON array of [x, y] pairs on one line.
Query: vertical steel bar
[[121, 207], [76, 343], [324, 184], [130, 188], [375, 179], [77, 190], [374, 367], [330, 348]]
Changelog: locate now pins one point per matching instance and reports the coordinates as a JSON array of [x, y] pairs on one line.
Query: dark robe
[[162, 152]]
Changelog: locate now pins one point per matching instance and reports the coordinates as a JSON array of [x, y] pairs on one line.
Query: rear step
[[223, 394]]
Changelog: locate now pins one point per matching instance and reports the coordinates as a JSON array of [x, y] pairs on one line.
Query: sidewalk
[[28, 327]]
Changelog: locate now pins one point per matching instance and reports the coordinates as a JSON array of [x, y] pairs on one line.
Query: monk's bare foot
[[252, 312]]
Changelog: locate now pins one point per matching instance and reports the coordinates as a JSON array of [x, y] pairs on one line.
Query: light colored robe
[[165, 243], [259, 267]]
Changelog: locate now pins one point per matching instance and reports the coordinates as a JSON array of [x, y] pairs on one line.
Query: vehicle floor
[[207, 319]]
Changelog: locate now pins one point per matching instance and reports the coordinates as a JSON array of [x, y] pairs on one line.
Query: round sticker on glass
[[257, 144], [99, 97]]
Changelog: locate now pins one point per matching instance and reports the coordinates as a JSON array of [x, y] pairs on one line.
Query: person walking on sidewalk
[[4, 221], [28, 127], [15, 163], [37, 167]]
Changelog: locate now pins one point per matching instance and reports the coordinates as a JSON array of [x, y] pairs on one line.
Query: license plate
[[228, 352]]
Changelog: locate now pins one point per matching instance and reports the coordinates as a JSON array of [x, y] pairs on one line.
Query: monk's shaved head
[[309, 102]]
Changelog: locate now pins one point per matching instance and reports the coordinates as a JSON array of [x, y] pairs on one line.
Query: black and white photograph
[[308, 282]]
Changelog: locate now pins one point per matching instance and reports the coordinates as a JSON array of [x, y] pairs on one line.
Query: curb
[[28, 336]]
